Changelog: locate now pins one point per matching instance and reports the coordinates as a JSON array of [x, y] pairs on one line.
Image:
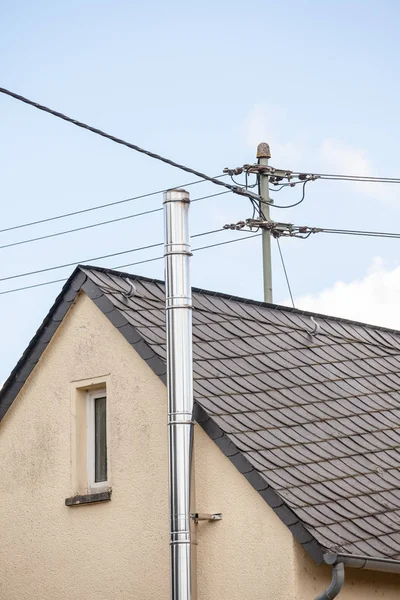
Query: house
[[296, 443]]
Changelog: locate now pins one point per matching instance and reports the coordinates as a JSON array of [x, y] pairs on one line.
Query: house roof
[[305, 406]]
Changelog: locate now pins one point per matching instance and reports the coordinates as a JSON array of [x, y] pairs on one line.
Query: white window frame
[[94, 486]]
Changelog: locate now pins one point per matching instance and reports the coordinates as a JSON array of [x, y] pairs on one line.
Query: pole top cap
[[263, 150], [176, 195]]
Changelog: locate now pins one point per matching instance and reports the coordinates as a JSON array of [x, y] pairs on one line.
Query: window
[[90, 474], [96, 438]]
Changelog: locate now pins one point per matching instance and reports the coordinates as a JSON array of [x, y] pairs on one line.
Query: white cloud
[[338, 157], [264, 124], [373, 299], [345, 159], [300, 151], [269, 124]]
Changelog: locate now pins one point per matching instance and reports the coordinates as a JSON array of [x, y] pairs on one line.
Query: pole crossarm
[[275, 228]]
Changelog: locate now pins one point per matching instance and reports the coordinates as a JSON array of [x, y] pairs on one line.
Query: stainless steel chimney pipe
[[178, 304]]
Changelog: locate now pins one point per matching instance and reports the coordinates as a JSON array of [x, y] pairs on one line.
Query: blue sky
[[202, 84]]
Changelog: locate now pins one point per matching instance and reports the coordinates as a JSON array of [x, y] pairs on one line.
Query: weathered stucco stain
[[119, 549]]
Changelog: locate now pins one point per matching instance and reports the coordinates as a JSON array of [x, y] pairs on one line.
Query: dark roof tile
[[313, 422]]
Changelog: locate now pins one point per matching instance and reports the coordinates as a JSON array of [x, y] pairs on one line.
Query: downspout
[[178, 298], [337, 581]]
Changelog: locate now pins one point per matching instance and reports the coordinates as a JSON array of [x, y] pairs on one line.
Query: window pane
[[100, 437]]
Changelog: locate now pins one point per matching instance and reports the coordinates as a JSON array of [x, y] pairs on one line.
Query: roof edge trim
[[40, 340], [358, 561]]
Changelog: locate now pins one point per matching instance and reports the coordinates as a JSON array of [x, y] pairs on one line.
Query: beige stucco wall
[[247, 555], [119, 550], [103, 551]]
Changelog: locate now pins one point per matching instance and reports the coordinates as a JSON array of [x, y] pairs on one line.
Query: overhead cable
[[195, 249], [98, 224], [285, 185], [172, 163], [379, 234], [289, 205], [341, 177], [86, 260], [360, 178], [107, 205], [278, 229], [36, 285]]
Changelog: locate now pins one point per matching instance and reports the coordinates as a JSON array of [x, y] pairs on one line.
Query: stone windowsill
[[88, 498]]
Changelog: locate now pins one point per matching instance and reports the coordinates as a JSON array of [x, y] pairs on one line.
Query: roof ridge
[[277, 307]]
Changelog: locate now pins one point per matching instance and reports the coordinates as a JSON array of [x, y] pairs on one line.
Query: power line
[[284, 185], [378, 234], [360, 178], [290, 205], [86, 260], [71, 264], [285, 272], [100, 206], [36, 285], [194, 250], [172, 163], [389, 235], [279, 229], [227, 242], [98, 224], [75, 229]]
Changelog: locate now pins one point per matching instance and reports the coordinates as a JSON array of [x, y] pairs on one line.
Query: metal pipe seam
[[176, 543], [171, 245], [171, 417], [176, 195], [178, 252]]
